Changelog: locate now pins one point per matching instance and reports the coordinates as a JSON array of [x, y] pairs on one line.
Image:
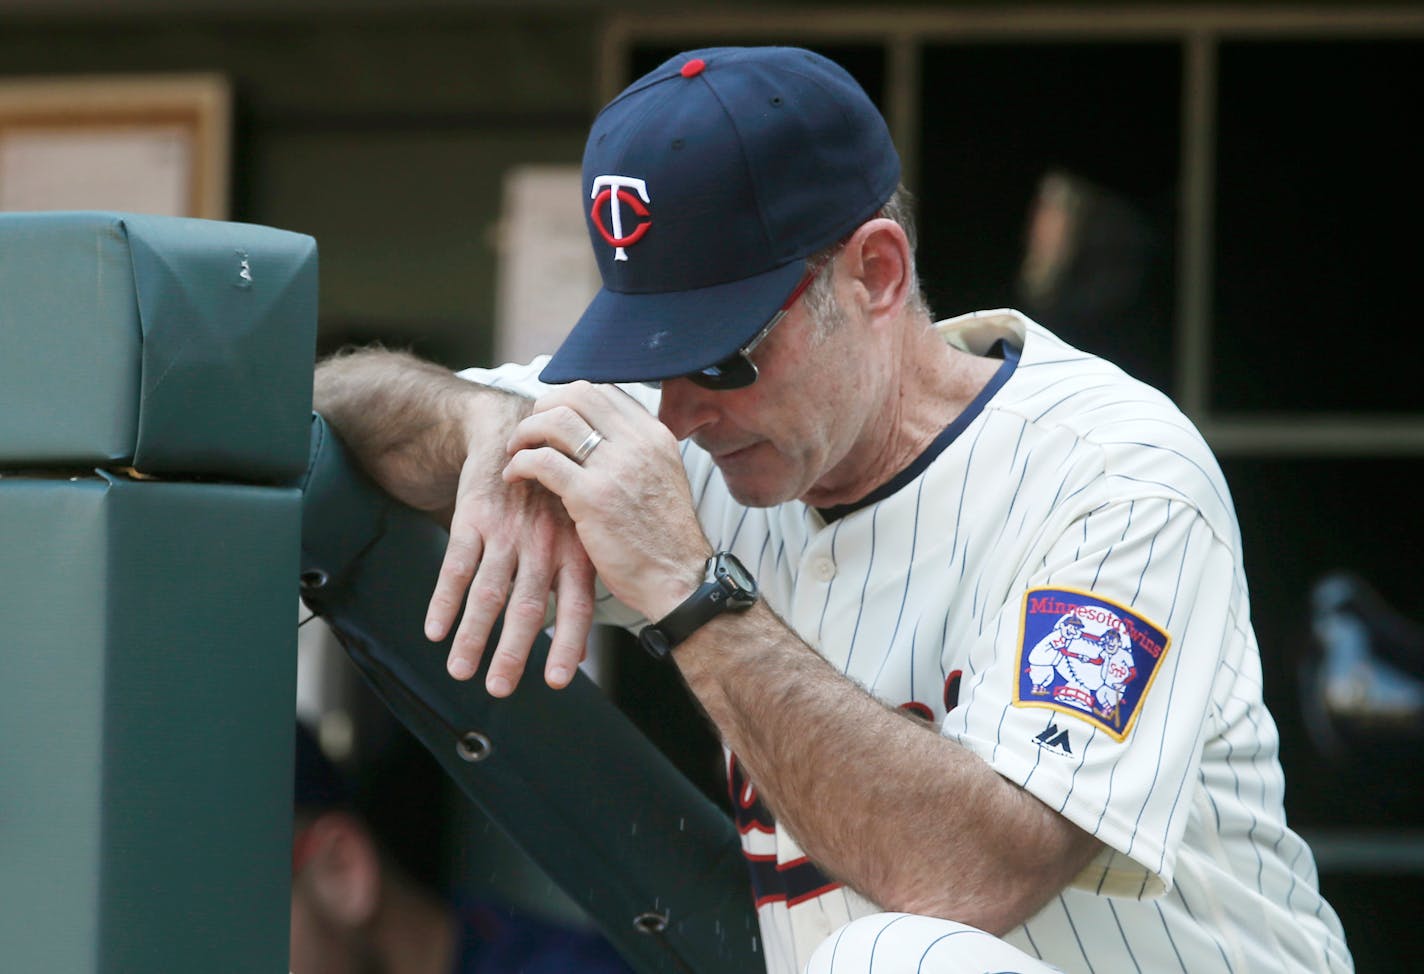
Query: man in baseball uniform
[[850, 529]]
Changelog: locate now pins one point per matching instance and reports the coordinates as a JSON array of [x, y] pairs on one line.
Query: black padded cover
[[652, 861]]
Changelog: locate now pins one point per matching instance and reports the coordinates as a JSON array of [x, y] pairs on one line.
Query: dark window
[[1318, 226], [1091, 131]]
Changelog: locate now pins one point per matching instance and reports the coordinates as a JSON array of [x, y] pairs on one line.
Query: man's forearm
[[410, 422], [877, 798]]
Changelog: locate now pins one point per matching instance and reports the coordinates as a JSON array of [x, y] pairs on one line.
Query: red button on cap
[[693, 68]]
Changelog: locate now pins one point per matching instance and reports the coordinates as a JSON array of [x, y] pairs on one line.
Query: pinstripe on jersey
[[1072, 477]]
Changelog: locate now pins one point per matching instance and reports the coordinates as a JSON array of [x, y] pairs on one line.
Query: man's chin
[[751, 491], [758, 476]]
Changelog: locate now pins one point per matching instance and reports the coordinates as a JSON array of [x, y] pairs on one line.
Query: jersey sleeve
[[523, 379], [1093, 688]]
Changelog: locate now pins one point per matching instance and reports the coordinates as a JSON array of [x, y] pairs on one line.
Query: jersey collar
[[1002, 349]]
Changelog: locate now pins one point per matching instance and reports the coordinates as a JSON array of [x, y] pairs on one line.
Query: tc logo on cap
[[613, 190]]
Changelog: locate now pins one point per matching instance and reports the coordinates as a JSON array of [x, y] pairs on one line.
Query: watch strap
[[668, 632], [717, 593]]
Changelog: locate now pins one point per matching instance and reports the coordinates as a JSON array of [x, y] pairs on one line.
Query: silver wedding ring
[[589, 444]]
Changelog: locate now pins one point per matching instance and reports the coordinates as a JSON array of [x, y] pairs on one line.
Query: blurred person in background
[[356, 911]]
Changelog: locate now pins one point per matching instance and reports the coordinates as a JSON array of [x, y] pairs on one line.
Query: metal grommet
[[473, 746], [650, 922], [314, 578]]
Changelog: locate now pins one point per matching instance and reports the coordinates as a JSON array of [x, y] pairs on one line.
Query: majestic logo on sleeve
[[611, 193], [1087, 656]]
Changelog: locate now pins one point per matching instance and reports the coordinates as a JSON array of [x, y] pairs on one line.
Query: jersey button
[[823, 569]]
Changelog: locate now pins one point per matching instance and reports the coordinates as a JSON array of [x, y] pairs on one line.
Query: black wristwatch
[[727, 587]]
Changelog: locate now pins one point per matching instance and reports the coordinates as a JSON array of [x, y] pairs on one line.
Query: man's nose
[[685, 407]]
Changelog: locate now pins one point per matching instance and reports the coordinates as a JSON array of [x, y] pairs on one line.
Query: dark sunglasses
[[737, 371]]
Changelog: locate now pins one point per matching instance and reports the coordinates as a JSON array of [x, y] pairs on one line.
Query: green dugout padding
[[179, 347], [147, 678], [655, 864], [155, 403]]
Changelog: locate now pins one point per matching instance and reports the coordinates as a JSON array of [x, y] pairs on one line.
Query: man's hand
[[629, 499], [436, 442], [511, 546]]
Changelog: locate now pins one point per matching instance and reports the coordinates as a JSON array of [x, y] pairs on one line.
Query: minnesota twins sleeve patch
[[1086, 656]]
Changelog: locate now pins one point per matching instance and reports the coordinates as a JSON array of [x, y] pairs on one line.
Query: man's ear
[[343, 871], [878, 257]]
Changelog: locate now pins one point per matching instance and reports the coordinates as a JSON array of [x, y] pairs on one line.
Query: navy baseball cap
[[707, 183]]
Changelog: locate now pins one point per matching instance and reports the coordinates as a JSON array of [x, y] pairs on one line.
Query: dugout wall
[[155, 389]]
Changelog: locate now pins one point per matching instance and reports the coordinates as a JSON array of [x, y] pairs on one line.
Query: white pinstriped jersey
[[1061, 590]]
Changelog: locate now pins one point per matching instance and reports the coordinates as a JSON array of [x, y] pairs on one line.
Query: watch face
[[737, 573]]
